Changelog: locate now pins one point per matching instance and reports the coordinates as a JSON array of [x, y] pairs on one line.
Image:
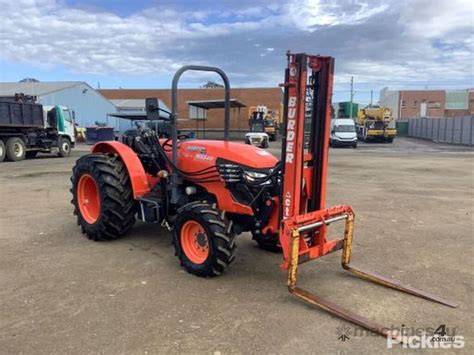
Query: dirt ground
[[61, 293]]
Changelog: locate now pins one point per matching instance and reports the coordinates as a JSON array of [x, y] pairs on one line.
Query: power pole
[[352, 95], [371, 95]]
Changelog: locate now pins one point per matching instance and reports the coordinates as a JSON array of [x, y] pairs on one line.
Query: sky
[[411, 44]]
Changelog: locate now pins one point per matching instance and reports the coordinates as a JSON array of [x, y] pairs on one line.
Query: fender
[[134, 166]]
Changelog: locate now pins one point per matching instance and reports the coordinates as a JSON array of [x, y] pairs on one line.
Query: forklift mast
[[304, 219], [308, 91]]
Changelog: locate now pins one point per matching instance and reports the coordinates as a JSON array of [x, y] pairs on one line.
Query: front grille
[[230, 172]]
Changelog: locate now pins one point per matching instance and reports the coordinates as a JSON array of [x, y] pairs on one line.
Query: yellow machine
[[375, 123], [257, 113]]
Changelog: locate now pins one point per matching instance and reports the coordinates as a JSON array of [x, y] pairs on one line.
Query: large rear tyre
[[15, 149], [203, 239], [102, 197], [268, 242], [2, 151]]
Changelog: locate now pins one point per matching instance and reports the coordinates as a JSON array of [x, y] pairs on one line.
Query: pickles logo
[[438, 338]]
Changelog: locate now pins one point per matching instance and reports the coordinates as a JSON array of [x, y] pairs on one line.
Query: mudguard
[[134, 166]]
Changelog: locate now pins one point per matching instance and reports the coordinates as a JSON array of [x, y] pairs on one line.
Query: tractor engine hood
[[198, 154]]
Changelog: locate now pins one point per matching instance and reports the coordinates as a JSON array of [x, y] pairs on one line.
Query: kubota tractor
[[206, 191]]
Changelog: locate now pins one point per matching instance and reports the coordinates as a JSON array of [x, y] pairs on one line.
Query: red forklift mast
[[304, 217]]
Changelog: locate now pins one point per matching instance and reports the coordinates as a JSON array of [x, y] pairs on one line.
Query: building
[[89, 106], [193, 117], [407, 104]]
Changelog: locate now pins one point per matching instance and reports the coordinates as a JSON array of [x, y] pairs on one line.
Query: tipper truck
[[376, 123], [27, 128]]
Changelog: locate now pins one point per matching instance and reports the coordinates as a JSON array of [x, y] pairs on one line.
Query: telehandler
[[208, 191]]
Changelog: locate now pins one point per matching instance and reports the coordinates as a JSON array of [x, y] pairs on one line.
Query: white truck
[[343, 133], [27, 128]]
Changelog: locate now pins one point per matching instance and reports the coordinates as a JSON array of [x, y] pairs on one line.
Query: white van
[[343, 133]]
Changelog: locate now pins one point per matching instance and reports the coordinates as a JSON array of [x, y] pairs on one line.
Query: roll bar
[[174, 115]]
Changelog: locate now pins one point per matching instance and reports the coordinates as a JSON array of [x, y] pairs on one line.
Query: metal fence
[[455, 130]]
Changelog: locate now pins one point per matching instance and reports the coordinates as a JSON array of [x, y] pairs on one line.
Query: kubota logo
[[290, 130]]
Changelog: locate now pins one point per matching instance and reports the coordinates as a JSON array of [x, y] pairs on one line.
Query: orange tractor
[[206, 191]]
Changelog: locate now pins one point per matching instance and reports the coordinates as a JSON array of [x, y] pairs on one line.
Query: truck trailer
[[27, 128]]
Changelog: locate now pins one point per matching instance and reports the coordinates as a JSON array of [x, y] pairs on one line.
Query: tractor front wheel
[[268, 242], [102, 197], [203, 239]]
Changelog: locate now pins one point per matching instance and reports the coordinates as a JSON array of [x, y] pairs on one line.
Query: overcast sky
[[132, 44]]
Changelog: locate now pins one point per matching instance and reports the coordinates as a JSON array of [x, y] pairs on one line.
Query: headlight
[[255, 176]]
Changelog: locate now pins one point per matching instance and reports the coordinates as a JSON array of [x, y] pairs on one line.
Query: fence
[[455, 130]]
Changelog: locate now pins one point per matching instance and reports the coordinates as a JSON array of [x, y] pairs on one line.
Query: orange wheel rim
[[88, 198], [194, 242]]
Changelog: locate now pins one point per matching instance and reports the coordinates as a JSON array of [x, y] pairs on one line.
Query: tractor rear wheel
[[269, 242], [102, 197], [203, 239]]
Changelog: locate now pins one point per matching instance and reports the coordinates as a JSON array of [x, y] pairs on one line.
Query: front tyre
[[64, 147], [203, 239], [268, 242], [102, 197]]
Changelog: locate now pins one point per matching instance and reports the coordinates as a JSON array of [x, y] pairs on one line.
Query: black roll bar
[[174, 115]]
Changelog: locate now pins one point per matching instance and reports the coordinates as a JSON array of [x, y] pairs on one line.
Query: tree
[[212, 85], [29, 80]]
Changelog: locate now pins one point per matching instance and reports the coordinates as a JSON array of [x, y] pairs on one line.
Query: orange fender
[[138, 176]]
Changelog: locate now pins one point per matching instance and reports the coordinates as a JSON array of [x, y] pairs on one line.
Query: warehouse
[[89, 106], [211, 120]]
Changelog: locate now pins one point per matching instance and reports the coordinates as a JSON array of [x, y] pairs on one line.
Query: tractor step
[[150, 208]]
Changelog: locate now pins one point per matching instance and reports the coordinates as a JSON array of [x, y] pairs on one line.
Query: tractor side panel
[[138, 176], [224, 198]]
